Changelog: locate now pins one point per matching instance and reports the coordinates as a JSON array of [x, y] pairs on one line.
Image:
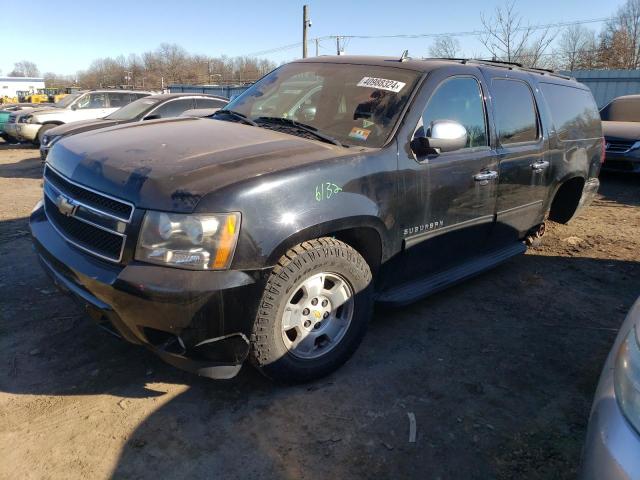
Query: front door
[[524, 163], [448, 199]]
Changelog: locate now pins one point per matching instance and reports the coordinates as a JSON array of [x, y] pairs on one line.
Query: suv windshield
[[622, 110], [353, 104], [133, 109], [67, 100]]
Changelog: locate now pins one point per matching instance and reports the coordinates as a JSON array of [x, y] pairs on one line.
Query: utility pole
[[306, 23], [338, 45], [317, 46]]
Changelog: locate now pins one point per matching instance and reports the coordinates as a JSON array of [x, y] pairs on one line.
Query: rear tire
[[313, 313]]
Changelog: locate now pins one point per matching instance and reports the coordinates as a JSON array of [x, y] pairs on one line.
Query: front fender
[[282, 209]]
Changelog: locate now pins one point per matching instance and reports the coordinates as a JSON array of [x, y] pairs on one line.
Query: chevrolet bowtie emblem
[[66, 206]]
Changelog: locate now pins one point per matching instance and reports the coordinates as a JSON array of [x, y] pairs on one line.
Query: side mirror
[[442, 136], [447, 135], [74, 107], [155, 116]]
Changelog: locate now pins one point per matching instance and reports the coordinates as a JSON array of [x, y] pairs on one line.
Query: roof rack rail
[[505, 64]]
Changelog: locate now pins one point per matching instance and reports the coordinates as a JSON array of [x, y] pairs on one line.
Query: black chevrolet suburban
[[268, 231]]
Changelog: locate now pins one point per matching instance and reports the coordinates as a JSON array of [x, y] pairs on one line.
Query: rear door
[[524, 165]]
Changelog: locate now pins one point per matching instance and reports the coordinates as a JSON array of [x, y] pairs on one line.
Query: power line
[[431, 35]]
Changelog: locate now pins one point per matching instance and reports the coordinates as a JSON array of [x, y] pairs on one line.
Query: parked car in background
[[612, 449], [268, 230], [5, 113], [147, 108], [621, 127], [87, 105]]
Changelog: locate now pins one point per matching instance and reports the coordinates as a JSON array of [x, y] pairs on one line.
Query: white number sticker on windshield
[[381, 84]]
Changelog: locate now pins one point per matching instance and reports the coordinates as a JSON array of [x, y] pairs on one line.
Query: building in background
[[608, 84], [10, 85]]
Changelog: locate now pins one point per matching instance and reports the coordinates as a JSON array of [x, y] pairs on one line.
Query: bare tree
[[620, 39], [576, 48], [24, 68], [168, 64], [508, 38], [445, 47]]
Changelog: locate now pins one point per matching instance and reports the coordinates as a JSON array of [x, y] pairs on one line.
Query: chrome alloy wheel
[[317, 315]]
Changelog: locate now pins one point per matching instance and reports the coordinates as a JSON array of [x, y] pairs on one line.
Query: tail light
[[604, 150]]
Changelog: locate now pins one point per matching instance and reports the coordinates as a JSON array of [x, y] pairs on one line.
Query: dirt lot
[[499, 372]]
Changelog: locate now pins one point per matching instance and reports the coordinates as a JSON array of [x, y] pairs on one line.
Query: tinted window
[[93, 100], [173, 108], [622, 110], [459, 99], [515, 111], [118, 99], [574, 112], [209, 103]]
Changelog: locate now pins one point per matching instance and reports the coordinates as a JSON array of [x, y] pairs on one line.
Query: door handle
[[484, 177], [539, 166]]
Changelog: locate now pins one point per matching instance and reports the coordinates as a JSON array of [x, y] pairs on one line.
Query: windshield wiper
[[237, 115], [301, 126]]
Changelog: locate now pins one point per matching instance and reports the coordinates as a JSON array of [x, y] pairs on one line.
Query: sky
[[70, 38]]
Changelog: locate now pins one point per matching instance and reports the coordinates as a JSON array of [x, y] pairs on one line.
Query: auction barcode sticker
[[382, 84]]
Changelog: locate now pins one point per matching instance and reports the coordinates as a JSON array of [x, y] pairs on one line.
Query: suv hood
[[82, 126], [621, 130], [37, 112], [170, 164]]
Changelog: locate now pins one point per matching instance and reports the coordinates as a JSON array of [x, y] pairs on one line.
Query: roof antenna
[[405, 56]]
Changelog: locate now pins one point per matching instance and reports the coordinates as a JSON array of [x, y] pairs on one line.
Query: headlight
[[48, 140], [626, 375], [197, 242]]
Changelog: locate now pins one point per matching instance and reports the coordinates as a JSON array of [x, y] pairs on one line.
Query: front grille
[[88, 237], [87, 219], [619, 146], [104, 204]]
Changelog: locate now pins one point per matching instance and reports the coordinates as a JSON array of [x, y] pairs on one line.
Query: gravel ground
[[499, 372]]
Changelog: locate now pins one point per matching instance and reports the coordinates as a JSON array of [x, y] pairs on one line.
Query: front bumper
[[197, 321], [27, 132], [612, 447], [11, 130]]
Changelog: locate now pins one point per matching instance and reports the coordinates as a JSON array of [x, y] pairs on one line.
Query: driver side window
[[459, 99], [92, 100]]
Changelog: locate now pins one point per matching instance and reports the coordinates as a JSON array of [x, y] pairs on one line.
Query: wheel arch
[[364, 234], [566, 198]]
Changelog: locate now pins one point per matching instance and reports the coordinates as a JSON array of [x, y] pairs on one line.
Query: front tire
[[313, 313]]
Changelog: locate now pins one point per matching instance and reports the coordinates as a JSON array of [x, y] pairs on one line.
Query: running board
[[422, 287]]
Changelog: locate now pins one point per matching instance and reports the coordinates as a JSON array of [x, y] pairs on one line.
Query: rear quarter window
[[573, 111]]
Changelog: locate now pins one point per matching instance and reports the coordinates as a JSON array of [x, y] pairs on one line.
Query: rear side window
[[573, 110], [173, 108], [516, 118], [209, 103], [118, 99], [624, 109]]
